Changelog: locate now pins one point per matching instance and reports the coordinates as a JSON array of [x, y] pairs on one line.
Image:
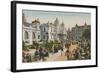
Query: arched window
[[33, 35], [44, 29], [26, 36]]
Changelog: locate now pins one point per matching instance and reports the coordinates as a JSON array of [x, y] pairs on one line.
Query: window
[[44, 29], [33, 35], [26, 36], [38, 36], [44, 37]]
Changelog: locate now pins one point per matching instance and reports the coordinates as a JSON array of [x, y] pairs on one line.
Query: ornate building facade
[[76, 32], [35, 31]]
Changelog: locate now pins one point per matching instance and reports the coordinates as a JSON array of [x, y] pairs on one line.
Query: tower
[[23, 18], [62, 28], [56, 28]]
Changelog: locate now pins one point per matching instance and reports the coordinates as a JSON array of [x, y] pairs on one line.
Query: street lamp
[[46, 38]]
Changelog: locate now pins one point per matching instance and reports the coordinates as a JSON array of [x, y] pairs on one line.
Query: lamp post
[[46, 39]]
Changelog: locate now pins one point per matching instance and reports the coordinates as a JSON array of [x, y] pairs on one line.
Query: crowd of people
[[40, 54], [26, 57], [80, 52]]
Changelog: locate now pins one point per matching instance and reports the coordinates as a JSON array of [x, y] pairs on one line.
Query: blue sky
[[69, 18]]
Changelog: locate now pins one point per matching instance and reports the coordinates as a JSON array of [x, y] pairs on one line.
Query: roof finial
[[85, 23], [76, 25]]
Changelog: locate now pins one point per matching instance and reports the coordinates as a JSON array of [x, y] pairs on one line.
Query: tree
[[86, 34], [50, 45], [23, 45], [35, 44]]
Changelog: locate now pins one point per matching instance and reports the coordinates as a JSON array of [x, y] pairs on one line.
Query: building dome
[[76, 25], [85, 23], [36, 21], [56, 22]]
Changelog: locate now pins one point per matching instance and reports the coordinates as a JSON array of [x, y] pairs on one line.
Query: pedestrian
[[76, 53], [46, 53], [37, 54], [67, 54], [41, 54], [61, 51], [28, 57]]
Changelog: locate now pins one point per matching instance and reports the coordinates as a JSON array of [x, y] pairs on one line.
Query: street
[[59, 56]]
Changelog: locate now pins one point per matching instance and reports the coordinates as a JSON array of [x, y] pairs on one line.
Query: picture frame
[[70, 17]]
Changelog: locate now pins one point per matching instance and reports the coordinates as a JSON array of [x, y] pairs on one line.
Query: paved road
[[60, 56]]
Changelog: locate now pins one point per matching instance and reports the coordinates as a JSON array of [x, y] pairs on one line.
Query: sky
[[70, 19]]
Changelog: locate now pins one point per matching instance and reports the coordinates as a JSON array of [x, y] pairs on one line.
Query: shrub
[[23, 46], [35, 44], [30, 47]]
